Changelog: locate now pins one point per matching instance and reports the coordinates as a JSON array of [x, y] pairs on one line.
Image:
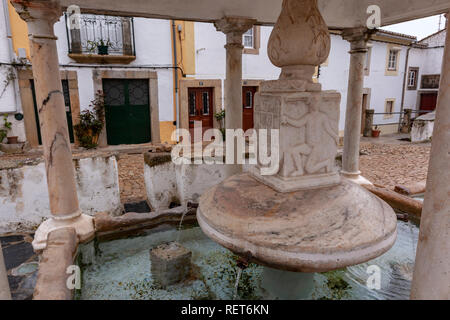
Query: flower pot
[[102, 50], [376, 133], [13, 140]]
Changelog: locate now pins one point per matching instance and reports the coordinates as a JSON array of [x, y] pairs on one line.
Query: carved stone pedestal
[[303, 217], [308, 124]]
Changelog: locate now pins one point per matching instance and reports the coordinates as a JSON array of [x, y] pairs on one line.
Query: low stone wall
[[24, 200], [167, 183]]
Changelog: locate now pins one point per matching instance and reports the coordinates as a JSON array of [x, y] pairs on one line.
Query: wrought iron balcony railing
[[104, 35]]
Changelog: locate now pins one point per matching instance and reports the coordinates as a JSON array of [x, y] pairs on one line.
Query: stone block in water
[[170, 264]]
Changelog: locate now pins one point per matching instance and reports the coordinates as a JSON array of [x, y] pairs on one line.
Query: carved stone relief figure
[[319, 137]]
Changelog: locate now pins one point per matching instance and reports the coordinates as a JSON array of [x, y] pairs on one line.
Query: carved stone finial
[[300, 39]]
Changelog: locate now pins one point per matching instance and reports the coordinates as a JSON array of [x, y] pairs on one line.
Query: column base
[[356, 178], [83, 225], [286, 285]]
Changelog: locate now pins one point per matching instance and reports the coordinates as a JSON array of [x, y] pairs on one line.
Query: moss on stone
[[153, 160]]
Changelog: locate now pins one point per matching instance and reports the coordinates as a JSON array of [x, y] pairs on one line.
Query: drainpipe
[[17, 101], [177, 102], [405, 76]]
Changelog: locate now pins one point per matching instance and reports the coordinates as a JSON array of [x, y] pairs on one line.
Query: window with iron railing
[[102, 35]]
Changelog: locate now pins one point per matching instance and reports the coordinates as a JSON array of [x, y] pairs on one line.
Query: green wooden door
[[65, 86], [127, 111]]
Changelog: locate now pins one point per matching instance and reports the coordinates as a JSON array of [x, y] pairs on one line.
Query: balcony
[[101, 39]]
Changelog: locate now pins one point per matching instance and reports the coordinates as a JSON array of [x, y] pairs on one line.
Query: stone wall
[[167, 183], [24, 200]]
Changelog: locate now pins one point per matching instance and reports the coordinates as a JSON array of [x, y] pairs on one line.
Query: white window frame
[[393, 60], [250, 34]]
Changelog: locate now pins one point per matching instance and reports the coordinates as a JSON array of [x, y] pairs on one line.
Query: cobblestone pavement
[[131, 178], [394, 164]]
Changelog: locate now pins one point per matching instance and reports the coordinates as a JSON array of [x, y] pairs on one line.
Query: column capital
[[234, 28], [40, 16], [358, 38]]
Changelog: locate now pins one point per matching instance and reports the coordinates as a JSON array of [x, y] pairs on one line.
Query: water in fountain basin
[[180, 225], [122, 270], [236, 285]]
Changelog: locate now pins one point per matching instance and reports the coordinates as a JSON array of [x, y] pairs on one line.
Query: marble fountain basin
[[307, 231]]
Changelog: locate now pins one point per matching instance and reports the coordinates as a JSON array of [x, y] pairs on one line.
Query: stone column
[[432, 269], [358, 38], [234, 28], [40, 16], [5, 294]]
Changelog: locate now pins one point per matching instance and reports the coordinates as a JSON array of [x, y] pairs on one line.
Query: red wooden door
[[200, 108], [428, 101], [248, 98]]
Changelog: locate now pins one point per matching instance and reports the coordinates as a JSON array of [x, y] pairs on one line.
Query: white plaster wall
[[334, 75], [24, 200], [153, 49], [7, 99], [429, 62], [168, 182], [210, 56]]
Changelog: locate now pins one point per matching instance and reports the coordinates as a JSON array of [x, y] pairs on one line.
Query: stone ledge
[[103, 59], [60, 253], [108, 227]]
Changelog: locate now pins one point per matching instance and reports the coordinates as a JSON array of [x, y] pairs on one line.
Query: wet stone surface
[[21, 264]]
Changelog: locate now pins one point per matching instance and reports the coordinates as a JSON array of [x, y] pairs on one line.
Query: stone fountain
[[306, 218]]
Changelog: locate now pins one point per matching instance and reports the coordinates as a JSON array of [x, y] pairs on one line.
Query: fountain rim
[[297, 261]]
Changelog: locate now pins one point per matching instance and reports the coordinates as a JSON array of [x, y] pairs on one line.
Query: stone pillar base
[[285, 285], [83, 225], [356, 178], [170, 264]]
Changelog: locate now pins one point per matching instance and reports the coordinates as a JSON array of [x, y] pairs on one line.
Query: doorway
[[363, 115], [127, 111], [66, 93], [428, 102], [200, 107], [248, 103]]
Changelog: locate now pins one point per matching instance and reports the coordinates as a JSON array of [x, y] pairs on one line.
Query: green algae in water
[[121, 270], [338, 287]]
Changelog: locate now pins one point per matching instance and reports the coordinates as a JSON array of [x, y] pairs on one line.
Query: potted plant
[[101, 45], [220, 117], [91, 123], [4, 132], [376, 132]]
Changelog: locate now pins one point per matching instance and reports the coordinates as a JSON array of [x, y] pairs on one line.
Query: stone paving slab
[[20, 261]]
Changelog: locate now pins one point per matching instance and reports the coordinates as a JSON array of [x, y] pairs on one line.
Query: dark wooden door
[[127, 111], [65, 86], [200, 108], [428, 101], [248, 102], [363, 114]]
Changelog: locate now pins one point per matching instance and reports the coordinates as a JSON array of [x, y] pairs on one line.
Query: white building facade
[[151, 56]]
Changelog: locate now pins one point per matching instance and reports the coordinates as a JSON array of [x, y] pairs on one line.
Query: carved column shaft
[[40, 16], [350, 159], [234, 28], [40, 19], [432, 269]]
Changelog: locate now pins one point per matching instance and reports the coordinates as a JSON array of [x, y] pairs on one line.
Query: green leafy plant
[[6, 127], [220, 117], [91, 123], [92, 45]]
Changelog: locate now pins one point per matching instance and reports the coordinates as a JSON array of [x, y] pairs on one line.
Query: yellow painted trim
[[165, 130], [388, 116], [19, 31]]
